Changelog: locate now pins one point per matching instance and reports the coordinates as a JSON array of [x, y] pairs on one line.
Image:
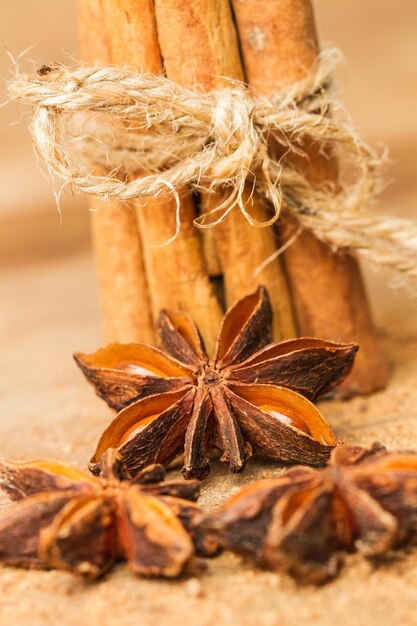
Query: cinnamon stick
[[176, 274], [279, 44], [117, 247], [200, 50]]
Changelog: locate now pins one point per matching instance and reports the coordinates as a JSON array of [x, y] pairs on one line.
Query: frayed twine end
[[116, 133]]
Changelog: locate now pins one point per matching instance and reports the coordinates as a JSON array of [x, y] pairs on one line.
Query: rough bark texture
[[117, 245], [279, 43], [199, 46], [176, 273]]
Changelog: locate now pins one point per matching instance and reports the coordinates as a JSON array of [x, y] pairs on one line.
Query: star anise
[[303, 521], [252, 395], [67, 519]]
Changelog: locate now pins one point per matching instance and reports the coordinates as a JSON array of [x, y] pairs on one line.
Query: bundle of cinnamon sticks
[[313, 290]]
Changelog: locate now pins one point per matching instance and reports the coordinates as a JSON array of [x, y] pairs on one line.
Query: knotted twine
[[116, 133]]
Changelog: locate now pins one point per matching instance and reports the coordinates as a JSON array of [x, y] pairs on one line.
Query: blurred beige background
[[29, 222], [377, 37]]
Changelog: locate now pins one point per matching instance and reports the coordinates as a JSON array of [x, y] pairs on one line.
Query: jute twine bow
[[116, 133]]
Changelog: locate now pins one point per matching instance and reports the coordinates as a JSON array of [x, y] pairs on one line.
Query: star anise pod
[[303, 521], [252, 395], [67, 519]]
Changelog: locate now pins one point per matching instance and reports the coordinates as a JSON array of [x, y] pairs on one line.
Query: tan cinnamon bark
[[279, 43], [176, 273], [117, 247], [199, 46]]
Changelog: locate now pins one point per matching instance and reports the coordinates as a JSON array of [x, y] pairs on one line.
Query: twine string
[[116, 133]]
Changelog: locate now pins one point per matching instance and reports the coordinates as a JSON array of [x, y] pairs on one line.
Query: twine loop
[[233, 134], [116, 133]]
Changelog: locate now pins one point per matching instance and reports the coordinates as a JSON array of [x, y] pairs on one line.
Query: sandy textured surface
[[47, 410]]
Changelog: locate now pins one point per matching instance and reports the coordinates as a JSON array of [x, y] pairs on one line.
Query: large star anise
[[252, 395], [302, 521], [67, 519]]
